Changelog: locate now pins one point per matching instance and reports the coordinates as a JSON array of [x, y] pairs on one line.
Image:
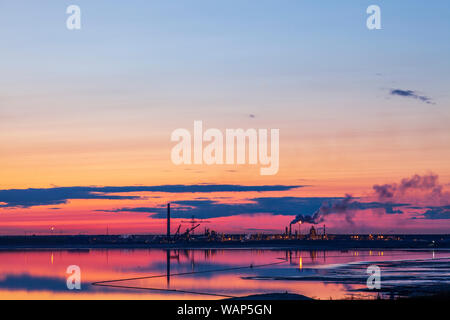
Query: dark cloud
[[411, 94], [286, 206], [437, 213], [384, 191], [53, 196], [60, 195], [389, 208], [212, 209]]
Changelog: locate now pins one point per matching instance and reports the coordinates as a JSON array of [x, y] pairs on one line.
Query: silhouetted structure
[[168, 268], [168, 221], [313, 233]]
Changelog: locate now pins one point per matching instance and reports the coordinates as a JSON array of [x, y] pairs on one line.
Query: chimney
[[168, 221], [290, 229]]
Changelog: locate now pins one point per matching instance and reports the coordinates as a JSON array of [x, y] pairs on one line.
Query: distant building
[[313, 233]]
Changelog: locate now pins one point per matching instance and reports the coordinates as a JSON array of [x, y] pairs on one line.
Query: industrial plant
[[291, 235], [188, 234]]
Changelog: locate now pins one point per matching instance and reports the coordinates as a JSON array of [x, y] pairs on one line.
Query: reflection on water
[[214, 274]]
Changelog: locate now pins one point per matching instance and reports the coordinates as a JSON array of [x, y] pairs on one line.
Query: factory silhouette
[[316, 237], [211, 235]]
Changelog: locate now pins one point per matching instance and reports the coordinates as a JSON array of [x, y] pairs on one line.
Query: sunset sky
[[86, 115]]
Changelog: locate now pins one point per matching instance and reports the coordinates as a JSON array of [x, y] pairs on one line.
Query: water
[[217, 274]]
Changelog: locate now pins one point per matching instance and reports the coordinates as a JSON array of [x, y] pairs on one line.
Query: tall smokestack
[[168, 221], [290, 229]]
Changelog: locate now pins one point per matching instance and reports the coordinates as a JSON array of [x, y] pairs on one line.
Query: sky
[[85, 110]]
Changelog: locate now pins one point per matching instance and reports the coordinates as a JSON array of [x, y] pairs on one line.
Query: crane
[[188, 231], [193, 222], [177, 234]]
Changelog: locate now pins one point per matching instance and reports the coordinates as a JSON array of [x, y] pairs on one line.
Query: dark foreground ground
[[441, 296]]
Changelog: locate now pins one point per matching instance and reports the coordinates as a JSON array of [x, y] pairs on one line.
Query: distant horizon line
[[254, 233]]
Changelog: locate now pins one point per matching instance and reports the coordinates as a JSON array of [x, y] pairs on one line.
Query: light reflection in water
[[41, 274]]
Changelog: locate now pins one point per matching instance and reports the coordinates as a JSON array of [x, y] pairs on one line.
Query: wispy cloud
[[411, 94]]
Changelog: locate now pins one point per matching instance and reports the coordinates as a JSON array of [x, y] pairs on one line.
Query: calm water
[[214, 274]]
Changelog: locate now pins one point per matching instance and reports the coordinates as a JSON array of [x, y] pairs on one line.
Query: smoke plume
[[387, 193], [426, 183], [325, 209]]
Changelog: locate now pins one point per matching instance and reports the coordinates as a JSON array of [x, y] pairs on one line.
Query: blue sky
[[226, 41]]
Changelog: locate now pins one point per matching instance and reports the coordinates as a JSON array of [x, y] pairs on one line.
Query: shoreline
[[244, 246], [338, 242]]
